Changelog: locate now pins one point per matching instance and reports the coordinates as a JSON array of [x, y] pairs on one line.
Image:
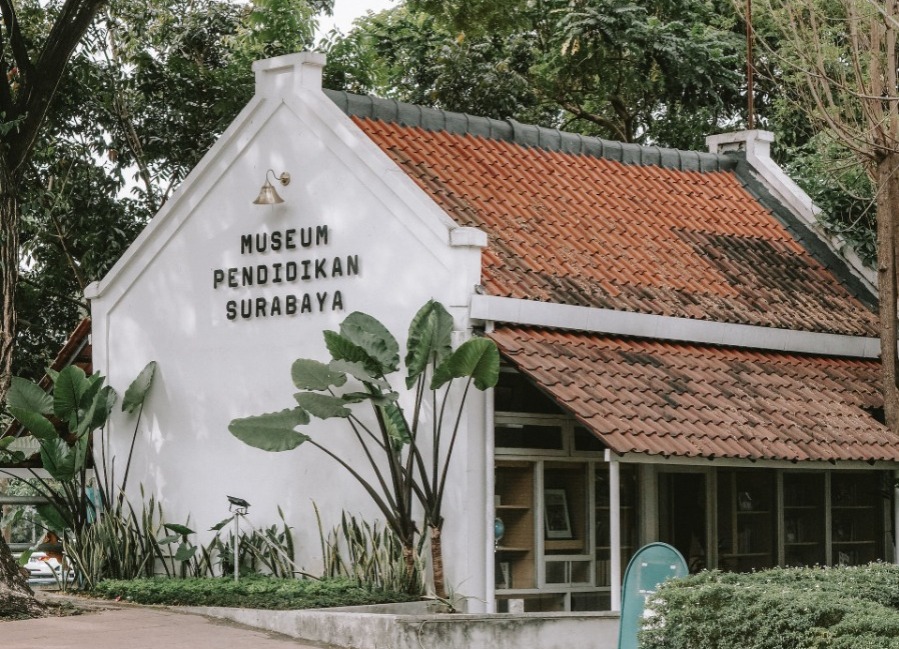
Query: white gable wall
[[377, 244]]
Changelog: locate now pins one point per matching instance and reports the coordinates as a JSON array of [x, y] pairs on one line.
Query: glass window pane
[[528, 436], [516, 393], [584, 440]]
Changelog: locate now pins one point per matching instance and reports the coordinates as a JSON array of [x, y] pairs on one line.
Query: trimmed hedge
[[249, 592], [782, 608]]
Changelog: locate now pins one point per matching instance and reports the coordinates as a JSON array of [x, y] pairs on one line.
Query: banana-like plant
[[364, 354], [65, 422]]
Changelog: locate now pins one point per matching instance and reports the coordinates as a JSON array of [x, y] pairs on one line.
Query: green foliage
[[366, 554], [137, 391], [21, 522], [365, 351], [124, 544], [115, 145], [120, 544], [632, 70], [254, 592], [272, 431], [784, 608], [79, 406], [429, 340], [839, 185], [268, 551], [415, 57], [102, 537]]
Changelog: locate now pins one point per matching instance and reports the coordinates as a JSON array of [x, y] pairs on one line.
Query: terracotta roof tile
[[584, 230], [672, 399]]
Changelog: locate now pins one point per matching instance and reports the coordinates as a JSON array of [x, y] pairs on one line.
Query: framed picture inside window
[[555, 514]]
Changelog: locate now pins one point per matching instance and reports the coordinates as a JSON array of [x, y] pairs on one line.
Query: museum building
[[686, 357]]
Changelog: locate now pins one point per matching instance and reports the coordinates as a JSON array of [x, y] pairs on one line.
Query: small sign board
[[649, 567]]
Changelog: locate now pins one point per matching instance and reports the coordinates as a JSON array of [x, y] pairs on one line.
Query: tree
[[654, 71], [115, 145], [33, 72], [366, 352], [33, 69], [840, 57], [64, 112]]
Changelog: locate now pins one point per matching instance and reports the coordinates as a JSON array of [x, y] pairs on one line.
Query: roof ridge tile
[[528, 135]]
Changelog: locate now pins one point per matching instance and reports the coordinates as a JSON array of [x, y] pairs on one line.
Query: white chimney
[[288, 75]]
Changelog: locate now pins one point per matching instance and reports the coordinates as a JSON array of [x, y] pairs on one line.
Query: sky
[[345, 11]]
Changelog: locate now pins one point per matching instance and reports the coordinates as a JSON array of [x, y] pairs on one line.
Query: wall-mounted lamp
[[268, 195]]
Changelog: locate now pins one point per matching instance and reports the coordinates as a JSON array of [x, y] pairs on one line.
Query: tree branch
[[39, 87], [16, 39]]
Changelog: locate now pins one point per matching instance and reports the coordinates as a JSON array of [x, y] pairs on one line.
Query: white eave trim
[[723, 462], [624, 323]]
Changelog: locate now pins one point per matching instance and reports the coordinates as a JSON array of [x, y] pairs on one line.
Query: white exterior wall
[[159, 303]]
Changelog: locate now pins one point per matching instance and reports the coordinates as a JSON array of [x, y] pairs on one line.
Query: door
[[683, 516]]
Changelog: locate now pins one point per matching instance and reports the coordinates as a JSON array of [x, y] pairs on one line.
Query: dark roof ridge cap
[[528, 135]]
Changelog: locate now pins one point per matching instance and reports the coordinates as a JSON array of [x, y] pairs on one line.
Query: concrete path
[[138, 628]]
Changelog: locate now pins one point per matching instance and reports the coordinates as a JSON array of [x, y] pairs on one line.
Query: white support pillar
[[490, 501], [896, 520], [615, 529]]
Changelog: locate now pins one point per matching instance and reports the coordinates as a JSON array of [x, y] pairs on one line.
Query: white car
[[41, 567]]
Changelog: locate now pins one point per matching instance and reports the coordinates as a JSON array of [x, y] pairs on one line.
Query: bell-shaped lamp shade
[[268, 195]]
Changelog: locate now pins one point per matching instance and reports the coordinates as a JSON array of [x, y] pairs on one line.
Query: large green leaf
[[430, 337], [97, 412], [35, 423], [360, 372], [102, 407], [178, 529], [27, 395], [309, 374], [343, 349], [139, 388], [58, 459], [273, 431], [80, 450], [13, 457], [477, 358], [323, 406], [368, 333], [221, 524], [396, 425], [185, 552], [70, 387], [376, 398], [53, 518]]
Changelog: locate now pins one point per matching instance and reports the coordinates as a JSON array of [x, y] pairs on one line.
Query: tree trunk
[[411, 576], [437, 562], [9, 273], [887, 212], [16, 597]]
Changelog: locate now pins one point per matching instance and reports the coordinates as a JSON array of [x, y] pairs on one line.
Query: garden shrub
[[251, 592], [782, 608]]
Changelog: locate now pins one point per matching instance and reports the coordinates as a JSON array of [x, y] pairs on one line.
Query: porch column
[[895, 518], [489, 498], [615, 531]]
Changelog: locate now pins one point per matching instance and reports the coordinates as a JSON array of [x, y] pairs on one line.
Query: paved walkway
[[135, 627]]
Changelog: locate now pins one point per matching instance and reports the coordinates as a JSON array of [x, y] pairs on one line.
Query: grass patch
[[249, 592]]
